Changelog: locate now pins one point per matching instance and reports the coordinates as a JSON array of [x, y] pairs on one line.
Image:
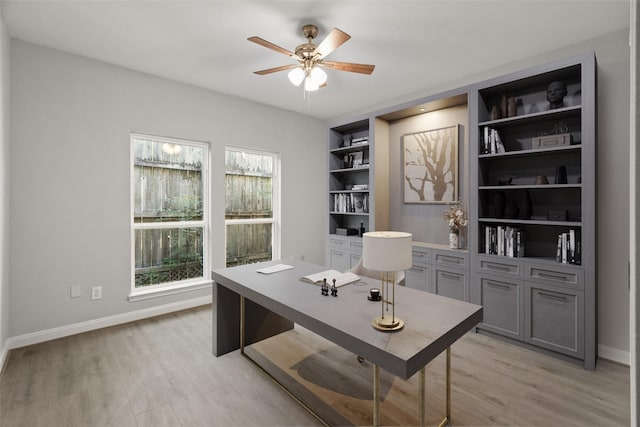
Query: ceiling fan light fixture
[[296, 76], [318, 76], [309, 85]]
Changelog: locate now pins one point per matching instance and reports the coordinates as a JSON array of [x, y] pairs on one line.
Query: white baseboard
[[614, 354], [103, 322]]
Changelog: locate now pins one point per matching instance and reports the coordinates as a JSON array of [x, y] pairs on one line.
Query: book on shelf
[[504, 241], [359, 141], [350, 203], [569, 249], [341, 278], [491, 142]]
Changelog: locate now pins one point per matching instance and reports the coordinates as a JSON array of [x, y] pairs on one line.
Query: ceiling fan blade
[[276, 69], [269, 45], [334, 40], [349, 66]]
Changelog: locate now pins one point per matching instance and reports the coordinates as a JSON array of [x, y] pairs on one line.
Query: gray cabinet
[[419, 275], [450, 277], [555, 319], [502, 300], [344, 252], [532, 201], [440, 271]]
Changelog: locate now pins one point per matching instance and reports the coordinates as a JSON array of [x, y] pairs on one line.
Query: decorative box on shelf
[[549, 141], [346, 231]]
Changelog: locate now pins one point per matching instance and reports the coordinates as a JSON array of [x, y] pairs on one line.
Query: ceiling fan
[[311, 58]]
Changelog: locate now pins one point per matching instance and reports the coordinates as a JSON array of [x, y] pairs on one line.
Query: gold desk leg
[[376, 396], [447, 418], [421, 396], [242, 325]]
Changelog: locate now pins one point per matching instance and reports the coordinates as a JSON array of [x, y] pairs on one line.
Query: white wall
[[70, 124], [4, 189]]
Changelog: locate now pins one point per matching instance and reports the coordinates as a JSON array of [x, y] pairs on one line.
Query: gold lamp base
[[388, 324]]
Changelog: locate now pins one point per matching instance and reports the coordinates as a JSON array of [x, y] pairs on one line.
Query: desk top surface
[[432, 322]]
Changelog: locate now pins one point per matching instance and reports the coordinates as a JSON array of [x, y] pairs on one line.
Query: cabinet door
[[451, 283], [354, 258], [417, 277], [338, 259], [555, 319], [503, 305]]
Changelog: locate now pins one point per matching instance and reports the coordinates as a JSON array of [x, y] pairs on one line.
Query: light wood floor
[[161, 372]]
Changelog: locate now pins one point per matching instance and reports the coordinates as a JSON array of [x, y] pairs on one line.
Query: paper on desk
[[275, 268]]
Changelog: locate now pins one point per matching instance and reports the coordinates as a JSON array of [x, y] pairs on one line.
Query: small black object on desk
[[324, 290], [334, 289]]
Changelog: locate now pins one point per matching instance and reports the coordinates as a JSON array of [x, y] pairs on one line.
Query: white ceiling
[[414, 44]]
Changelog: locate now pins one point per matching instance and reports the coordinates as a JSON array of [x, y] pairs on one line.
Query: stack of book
[[503, 240], [569, 249], [359, 141], [350, 203], [491, 142]]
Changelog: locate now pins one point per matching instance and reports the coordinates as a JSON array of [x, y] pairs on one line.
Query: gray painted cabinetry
[[439, 270], [344, 251], [532, 207], [531, 156]]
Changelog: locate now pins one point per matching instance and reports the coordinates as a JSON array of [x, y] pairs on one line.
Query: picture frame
[[430, 165]]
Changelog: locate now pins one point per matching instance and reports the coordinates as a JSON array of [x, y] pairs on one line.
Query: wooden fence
[[166, 191]]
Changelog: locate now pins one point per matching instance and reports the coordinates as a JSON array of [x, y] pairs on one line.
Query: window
[[251, 206], [169, 229]]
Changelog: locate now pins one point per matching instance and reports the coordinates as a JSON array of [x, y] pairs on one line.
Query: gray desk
[[249, 307]]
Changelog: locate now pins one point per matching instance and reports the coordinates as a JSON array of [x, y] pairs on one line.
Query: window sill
[[169, 290]]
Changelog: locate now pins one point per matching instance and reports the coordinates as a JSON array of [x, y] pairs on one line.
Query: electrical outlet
[[75, 291], [96, 292]]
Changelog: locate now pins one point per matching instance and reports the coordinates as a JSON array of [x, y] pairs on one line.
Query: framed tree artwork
[[430, 165]]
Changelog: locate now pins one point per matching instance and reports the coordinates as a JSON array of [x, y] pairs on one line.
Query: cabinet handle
[[552, 276], [417, 269], [450, 259], [497, 267], [452, 276], [418, 255], [552, 296], [499, 286], [338, 253]]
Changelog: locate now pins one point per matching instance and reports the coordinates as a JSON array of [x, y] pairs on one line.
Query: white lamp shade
[[296, 76], [318, 76], [386, 251]]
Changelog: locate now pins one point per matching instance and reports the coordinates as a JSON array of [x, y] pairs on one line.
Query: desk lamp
[[387, 252]]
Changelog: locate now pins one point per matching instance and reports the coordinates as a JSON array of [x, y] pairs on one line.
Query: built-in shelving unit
[[530, 258], [350, 184], [532, 228]]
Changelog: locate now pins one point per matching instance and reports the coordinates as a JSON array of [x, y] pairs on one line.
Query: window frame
[[168, 288], [275, 202]]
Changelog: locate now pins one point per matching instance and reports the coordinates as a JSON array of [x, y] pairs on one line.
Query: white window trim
[[275, 203], [203, 282]]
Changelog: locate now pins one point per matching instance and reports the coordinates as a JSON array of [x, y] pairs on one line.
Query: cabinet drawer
[[555, 319], [555, 275], [454, 259], [417, 277], [507, 267], [503, 305], [337, 242], [355, 246], [421, 256], [450, 283]]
